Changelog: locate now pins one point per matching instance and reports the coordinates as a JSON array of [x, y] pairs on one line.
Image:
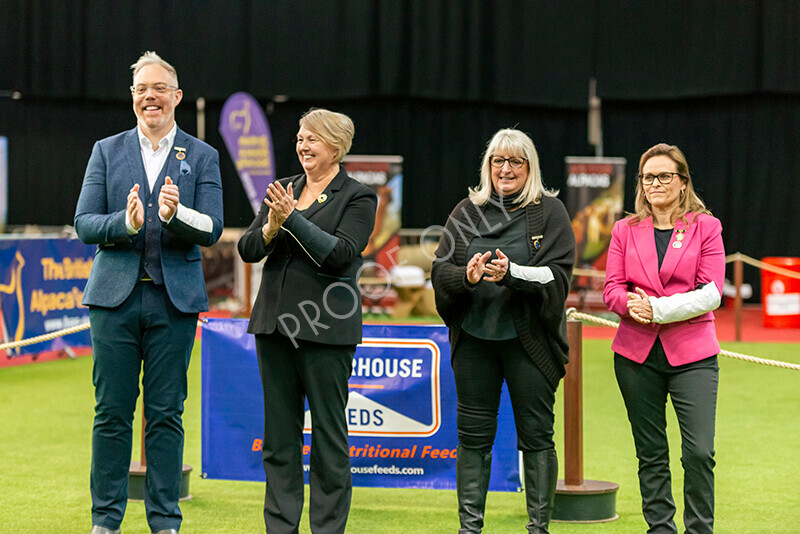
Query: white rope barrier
[[572, 313], [44, 337], [588, 272], [738, 256], [57, 333]]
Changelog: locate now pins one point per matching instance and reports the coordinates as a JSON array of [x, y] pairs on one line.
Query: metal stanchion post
[[738, 276], [579, 500], [138, 472]]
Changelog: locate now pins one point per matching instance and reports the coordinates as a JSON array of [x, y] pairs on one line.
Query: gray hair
[[151, 58]]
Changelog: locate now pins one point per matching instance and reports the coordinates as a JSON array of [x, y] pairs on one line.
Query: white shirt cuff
[[128, 226], [195, 219]]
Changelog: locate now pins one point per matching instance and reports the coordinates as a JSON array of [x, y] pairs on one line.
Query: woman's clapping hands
[[493, 271]]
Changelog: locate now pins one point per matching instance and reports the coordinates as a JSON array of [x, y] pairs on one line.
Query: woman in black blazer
[[312, 228]]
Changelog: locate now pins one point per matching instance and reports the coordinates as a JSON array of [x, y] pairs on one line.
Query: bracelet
[[268, 236]]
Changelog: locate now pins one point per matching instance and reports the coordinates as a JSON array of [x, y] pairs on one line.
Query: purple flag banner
[[246, 133]]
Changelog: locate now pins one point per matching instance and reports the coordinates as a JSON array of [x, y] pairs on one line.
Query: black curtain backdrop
[[430, 80]]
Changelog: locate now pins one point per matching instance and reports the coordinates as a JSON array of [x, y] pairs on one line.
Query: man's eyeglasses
[[664, 177], [515, 163], [159, 88]]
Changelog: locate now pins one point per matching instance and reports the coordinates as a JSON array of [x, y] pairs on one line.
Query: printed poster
[[401, 412], [594, 200]]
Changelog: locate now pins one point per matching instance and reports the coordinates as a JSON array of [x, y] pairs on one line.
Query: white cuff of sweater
[[542, 275], [683, 306]]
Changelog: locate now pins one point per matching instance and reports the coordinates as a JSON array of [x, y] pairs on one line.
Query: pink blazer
[[633, 262]]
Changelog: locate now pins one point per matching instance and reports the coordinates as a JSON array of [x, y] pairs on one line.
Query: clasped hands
[[493, 271], [639, 306], [281, 204], [168, 199]]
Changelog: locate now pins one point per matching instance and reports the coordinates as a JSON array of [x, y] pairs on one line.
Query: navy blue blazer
[[305, 295], [114, 167]]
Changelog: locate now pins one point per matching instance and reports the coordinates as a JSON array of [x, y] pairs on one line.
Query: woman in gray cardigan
[[501, 277]]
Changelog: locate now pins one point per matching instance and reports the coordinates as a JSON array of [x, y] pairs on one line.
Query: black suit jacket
[[306, 297]]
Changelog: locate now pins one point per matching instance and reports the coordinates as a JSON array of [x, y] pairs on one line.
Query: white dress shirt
[[154, 159]]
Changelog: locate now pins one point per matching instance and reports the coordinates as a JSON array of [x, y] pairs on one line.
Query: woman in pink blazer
[[664, 276]]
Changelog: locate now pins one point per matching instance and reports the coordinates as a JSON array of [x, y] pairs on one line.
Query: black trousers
[[693, 391], [146, 331], [480, 367], [319, 373]]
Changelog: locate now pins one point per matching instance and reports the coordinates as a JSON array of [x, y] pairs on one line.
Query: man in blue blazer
[[150, 198]]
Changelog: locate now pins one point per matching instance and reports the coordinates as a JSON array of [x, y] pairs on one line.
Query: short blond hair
[[151, 58], [334, 129]]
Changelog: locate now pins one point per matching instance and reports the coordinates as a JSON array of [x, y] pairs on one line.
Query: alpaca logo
[[13, 288], [394, 389]]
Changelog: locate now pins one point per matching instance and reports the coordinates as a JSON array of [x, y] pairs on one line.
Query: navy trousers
[[145, 333]]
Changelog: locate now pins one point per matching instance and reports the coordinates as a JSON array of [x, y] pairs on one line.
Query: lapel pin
[[677, 244], [181, 155], [536, 241], [322, 198]]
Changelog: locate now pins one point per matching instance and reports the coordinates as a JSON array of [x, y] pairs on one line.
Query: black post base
[[594, 501], [136, 482]]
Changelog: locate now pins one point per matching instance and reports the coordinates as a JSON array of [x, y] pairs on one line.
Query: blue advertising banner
[[3, 182], [246, 134], [401, 412], [41, 287]]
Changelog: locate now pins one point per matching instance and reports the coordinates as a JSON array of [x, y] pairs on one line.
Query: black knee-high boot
[[541, 476], [473, 469]]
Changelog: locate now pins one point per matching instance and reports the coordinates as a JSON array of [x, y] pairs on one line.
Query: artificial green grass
[[46, 414]]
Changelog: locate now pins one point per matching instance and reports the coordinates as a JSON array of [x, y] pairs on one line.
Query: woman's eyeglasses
[[664, 177], [515, 163]]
